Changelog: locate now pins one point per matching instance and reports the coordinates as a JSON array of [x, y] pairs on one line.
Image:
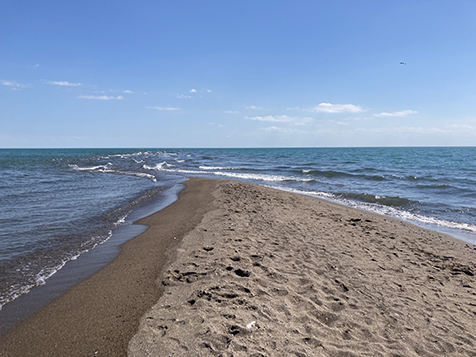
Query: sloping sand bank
[[271, 273]]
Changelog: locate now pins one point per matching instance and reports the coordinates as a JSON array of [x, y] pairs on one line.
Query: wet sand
[[234, 269]]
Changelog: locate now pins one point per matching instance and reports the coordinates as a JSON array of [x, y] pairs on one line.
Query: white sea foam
[[262, 177], [48, 272], [158, 167], [121, 220], [243, 176], [90, 168], [139, 153], [122, 156], [216, 168], [106, 169], [130, 173], [386, 210], [14, 292], [139, 174], [44, 274]]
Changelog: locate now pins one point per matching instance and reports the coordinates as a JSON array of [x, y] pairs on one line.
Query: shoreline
[[88, 263], [100, 315], [253, 267]]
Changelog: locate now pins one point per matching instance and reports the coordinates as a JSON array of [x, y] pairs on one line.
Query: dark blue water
[[56, 204]]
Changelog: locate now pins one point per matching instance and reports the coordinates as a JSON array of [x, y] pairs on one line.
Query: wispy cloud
[[294, 108], [282, 119], [231, 111], [202, 90], [193, 93], [127, 91], [101, 97], [64, 83], [276, 129], [218, 125], [337, 108], [254, 107], [461, 127], [163, 108], [13, 84], [402, 113]]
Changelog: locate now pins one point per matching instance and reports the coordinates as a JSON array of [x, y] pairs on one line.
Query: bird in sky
[[402, 62]]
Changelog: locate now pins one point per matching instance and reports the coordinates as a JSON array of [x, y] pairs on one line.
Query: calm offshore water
[[56, 204]]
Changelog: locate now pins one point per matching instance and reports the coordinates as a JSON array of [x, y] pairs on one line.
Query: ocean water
[[57, 204]]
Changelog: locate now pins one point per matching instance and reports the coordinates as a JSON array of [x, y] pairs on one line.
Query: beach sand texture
[[236, 269], [271, 273]]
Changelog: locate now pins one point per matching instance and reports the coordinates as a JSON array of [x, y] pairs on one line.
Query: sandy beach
[[235, 269]]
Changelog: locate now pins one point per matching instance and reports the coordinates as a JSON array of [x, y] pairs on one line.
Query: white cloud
[[282, 119], [402, 113], [254, 107], [127, 91], [295, 108], [193, 91], [163, 108], [460, 127], [337, 108], [65, 83], [276, 129], [13, 84], [231, 111], [101, 97]]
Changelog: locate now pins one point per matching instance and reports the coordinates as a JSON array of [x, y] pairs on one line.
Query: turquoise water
[[57, 204]]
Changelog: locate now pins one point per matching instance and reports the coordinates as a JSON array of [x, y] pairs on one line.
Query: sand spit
[[271, 273]]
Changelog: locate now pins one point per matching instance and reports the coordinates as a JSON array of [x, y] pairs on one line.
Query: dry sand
[[236, 269], [271, 273]]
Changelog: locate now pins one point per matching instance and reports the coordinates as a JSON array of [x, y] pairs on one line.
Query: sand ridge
[[272, 273]]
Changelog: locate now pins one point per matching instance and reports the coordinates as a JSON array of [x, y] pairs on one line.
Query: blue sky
[[191, 73]]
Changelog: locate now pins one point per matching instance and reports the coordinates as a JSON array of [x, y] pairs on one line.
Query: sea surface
[[57, 204]]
